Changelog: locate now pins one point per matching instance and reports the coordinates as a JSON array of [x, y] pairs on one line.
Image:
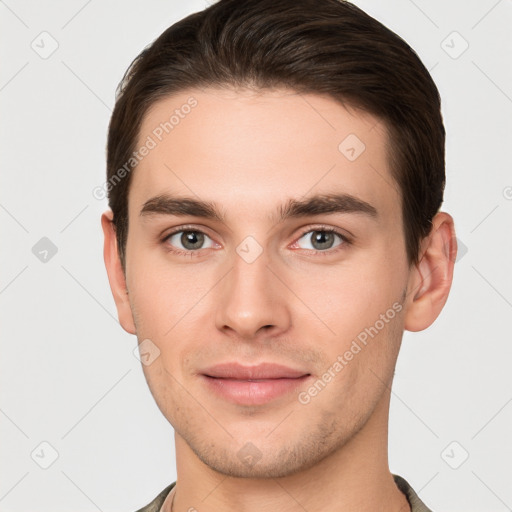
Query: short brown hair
[[311, 46]]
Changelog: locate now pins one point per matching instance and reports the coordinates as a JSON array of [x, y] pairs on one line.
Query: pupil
[[322, 239], [192, 240]]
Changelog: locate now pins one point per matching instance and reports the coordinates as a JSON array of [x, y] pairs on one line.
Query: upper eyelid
[[337, 231], [185, 229]]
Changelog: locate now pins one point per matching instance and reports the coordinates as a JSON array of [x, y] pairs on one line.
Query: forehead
[[262, 146]]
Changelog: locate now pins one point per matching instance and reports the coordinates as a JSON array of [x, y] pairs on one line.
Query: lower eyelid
[[344, 240], [170, 235]]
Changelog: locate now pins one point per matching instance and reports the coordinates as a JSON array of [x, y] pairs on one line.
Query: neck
[[356, 476]]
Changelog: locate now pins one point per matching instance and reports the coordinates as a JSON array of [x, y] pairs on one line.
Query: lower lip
[[257, 392]]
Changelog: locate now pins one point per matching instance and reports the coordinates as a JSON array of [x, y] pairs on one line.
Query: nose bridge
[[252, 297]]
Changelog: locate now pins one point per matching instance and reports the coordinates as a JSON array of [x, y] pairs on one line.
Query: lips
[[252, 385], [259, 372]]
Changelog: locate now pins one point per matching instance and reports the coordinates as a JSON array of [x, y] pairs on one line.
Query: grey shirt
[[416, 504]]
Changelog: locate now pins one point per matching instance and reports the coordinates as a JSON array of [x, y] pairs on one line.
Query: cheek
[[161, 294], [348, 298]]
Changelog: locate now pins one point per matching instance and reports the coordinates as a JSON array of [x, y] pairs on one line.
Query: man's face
[[252, 287]]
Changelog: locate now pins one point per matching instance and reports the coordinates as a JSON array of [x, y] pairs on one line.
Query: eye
[[321, 239], [189, 240]]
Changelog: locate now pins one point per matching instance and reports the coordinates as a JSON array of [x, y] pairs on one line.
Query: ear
[[115, 273], [431, 279]]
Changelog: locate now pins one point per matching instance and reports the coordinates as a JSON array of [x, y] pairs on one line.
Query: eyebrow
[[165, 204]]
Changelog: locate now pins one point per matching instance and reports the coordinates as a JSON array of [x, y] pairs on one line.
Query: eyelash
[[327, 229]]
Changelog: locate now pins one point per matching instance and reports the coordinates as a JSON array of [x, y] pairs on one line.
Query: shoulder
[[414, 501], [156, 504]]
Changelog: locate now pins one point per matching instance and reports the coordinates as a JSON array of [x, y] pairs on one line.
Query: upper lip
[[260, 371]]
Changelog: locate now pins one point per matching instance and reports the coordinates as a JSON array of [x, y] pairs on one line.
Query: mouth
[[252, 385]]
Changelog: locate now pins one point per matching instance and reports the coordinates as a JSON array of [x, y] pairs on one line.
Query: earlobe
[[116, 276], [431, 279]]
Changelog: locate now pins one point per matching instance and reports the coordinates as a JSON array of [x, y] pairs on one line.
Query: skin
[[295, 304]]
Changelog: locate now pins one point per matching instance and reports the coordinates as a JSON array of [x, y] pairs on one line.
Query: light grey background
[[69, 377]]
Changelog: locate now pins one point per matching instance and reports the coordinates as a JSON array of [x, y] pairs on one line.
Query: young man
[[275, 173]]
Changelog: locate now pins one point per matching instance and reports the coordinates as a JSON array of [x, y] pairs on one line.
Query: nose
[[252, 300]]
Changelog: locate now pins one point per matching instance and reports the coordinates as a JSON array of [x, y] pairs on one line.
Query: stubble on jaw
[[331, 433]]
